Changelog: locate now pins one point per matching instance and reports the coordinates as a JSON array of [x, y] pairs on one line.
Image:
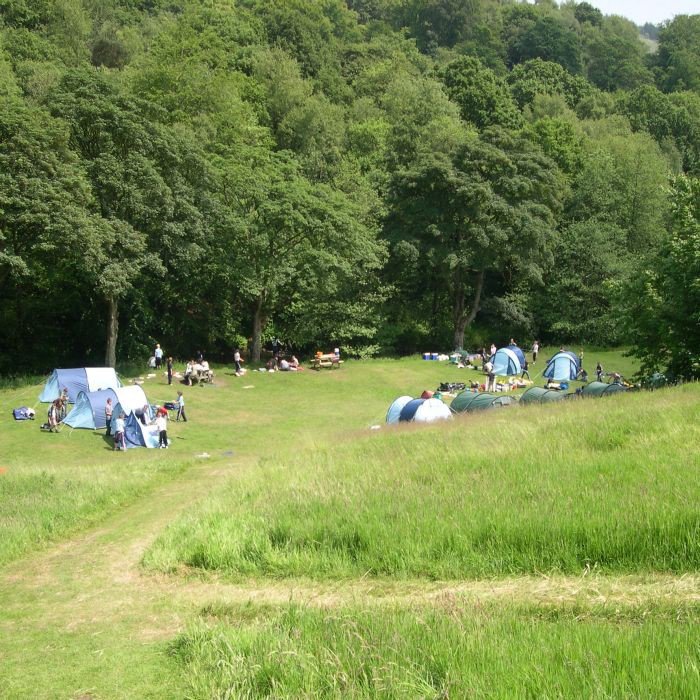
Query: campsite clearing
[[226, 610]]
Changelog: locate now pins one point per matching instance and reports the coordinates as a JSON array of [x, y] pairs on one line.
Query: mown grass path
[[83, 616]]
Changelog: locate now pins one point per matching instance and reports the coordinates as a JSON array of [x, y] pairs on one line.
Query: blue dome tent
[[424, 411], [78, 379], [518, 353], [136, 434], [89, 409], [392, 415], [506, 363], [564, 366]]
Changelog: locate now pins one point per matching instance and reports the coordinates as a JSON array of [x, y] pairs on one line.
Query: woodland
[[387, 176]]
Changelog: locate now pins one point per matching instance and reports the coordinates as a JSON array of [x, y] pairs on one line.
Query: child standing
[[162, 426], [181, 407], [108, 416], [119, 436], [170, 371]]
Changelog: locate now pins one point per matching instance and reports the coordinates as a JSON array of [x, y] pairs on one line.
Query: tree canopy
[[373, 173]]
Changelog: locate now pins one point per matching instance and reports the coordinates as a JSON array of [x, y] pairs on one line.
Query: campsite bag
[[23, 413], [170, 405]]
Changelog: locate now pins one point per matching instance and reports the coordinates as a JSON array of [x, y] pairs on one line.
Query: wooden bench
[[329, 360], [200, 376]]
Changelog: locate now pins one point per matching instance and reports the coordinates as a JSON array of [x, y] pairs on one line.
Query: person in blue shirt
[[181, 407]]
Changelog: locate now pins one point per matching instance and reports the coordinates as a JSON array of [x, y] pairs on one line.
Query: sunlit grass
[[455, 651], [609, 484]]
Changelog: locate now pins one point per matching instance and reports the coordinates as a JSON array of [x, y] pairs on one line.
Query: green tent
[[537, 394], [471, 401], [602, 389]]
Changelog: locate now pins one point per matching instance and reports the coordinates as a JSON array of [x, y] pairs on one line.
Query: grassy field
[[453, 650], [545, 550], [53, 485], [535, 489]]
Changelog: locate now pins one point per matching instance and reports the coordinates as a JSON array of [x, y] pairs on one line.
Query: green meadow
[[289, 544], [448, 651]]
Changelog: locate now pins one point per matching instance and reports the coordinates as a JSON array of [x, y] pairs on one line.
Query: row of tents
[[510, 361], [88, 389], [407, 409]]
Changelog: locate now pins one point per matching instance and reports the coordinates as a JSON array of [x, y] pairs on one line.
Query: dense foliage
[[380, 174]]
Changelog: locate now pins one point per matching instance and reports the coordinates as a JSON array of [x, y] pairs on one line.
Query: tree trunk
[[258, 327], [462, 320], [112, 330]]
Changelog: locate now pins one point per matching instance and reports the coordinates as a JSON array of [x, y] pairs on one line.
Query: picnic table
[[330, 360], [199, 375]]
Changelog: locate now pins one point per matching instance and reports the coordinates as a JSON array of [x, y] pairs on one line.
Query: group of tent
[[508, 361], [88, 389]]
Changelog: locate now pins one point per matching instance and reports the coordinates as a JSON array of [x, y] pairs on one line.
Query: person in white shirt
[[158, 354], [162, 426], [119, 436]]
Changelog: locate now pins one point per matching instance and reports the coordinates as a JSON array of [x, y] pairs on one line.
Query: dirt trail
[[91, 591]]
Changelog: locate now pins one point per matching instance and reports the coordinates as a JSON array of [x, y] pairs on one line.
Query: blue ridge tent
[[562, 367], [392, 415], [89, 409], [131, 399], [78, 379], [424, 411], [506, 363]]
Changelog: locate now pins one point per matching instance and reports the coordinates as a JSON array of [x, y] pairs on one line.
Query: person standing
[[108, 416], [181, 407], [535, 351], [237, 361], [170, 370], [525, 369], [162, 426], [53, 415], [490, 376], [158, 354], [119, 436], [599, 371]]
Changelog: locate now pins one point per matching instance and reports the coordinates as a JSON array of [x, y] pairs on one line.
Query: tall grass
[[466, 651], [610, 484]]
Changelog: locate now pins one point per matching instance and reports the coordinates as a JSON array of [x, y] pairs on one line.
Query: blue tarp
[[506, 363], [562, 367], [78, 379]]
